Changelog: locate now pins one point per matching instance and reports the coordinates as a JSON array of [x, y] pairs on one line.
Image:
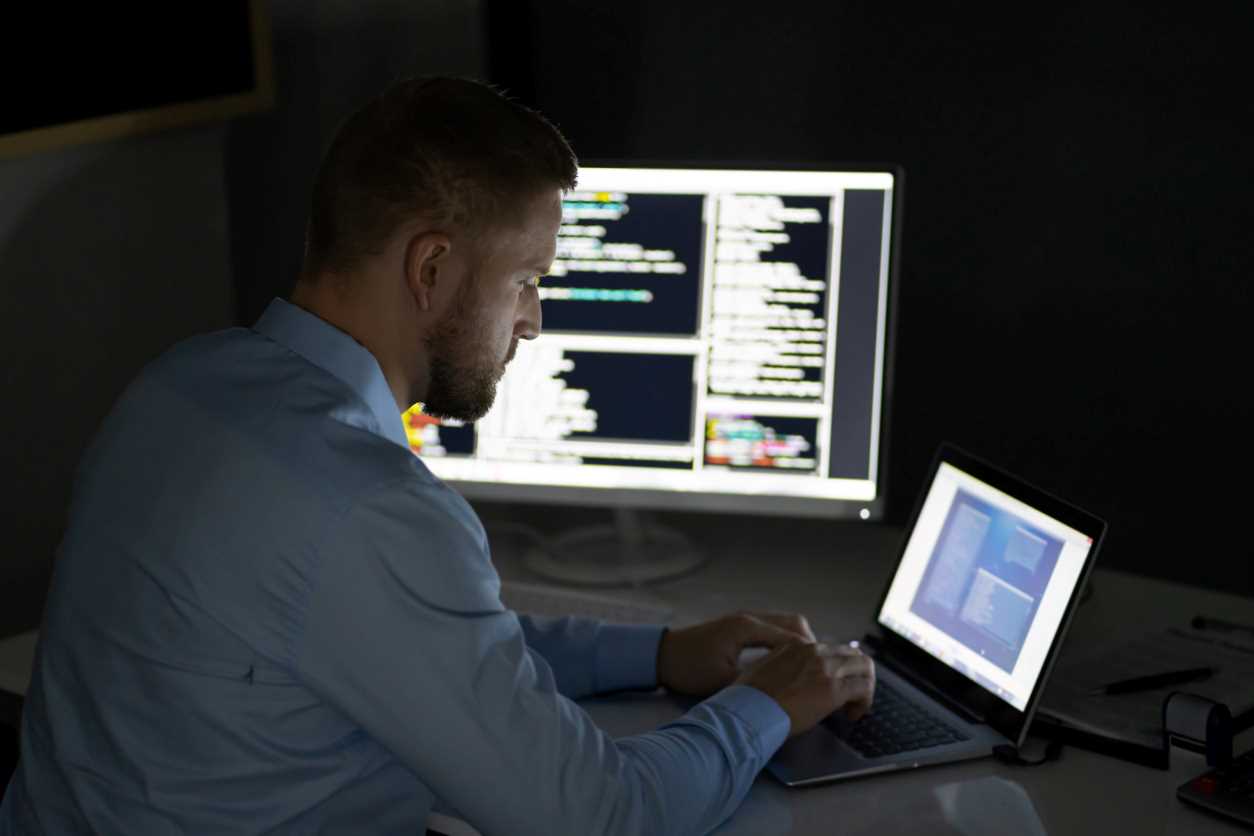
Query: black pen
[[1158, 680], [1205, 622]]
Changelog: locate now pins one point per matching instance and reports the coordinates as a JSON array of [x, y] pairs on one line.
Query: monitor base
[[631, 552]]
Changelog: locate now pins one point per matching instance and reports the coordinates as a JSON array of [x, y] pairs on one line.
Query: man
[[269, 617]]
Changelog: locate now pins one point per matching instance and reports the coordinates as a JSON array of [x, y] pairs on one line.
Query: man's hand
[[702, 659], [810, 681]]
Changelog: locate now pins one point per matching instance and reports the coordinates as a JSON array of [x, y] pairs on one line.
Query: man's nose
[[527, 326]]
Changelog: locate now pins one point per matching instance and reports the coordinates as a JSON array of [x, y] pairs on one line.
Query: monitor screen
[[984, 582], [713, 339]]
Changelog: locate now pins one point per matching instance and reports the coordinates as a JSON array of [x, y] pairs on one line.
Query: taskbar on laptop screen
[[984, 583], [712, 338]]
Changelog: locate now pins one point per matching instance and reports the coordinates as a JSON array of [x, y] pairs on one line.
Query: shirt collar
[[335, 352]]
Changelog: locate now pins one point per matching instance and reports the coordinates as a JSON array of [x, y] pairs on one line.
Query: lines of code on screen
[[688, 343], [627, 264], [770, 295]]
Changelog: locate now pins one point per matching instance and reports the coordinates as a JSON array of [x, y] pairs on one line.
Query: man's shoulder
[[229, 354], [206, 346], [213, 359], [280, 406], [256, 402]]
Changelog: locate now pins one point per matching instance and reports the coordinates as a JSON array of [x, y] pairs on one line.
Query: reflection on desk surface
[[989, 805], [985, 806]]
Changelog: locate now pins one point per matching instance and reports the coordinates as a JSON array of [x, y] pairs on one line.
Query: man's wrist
[[626, 657]]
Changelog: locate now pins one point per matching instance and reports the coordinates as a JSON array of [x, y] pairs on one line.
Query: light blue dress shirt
[[268, 616]]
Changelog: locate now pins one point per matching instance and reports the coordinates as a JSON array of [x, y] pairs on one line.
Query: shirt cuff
[[758, 711], [626, 656]]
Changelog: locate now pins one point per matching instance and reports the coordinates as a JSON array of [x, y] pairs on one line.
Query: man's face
[[495, 307]]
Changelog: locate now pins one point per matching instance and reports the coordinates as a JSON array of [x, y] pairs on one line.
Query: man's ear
[[426, 264]]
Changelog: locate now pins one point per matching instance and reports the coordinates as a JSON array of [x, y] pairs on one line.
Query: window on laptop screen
[[984, 583], [713, 339]]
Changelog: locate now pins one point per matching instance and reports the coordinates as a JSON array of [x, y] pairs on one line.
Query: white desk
[[834, 575]]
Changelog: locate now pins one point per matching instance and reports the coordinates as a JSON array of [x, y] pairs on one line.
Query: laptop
[[988, 578]]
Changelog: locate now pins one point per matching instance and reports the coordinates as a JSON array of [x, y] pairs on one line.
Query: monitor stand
[[632, 551]]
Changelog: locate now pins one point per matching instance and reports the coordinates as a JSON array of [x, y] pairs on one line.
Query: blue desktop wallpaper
[[985, 578]]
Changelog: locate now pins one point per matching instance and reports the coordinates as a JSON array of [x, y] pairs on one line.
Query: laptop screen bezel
[[972, 697]]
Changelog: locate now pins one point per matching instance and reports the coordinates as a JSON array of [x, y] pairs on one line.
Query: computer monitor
[[714, 338]]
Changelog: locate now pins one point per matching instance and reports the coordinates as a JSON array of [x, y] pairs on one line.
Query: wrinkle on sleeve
[[405, 633]]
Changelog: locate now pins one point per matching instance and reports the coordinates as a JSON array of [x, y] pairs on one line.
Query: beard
[[463, 369]]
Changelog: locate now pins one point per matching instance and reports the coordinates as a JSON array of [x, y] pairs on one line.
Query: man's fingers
[[853, 667], [839, 651], [773, 629], [792, 622], [856, 709], [750, 632], [856, 678]]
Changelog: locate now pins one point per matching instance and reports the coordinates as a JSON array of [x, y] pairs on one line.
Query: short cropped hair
[[453, 151]]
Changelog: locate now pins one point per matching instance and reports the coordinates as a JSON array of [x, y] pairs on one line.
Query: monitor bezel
[[870, 510], [970, 696]]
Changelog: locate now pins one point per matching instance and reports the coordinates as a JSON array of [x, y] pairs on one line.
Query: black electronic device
[[1224, 790], [988, 579]]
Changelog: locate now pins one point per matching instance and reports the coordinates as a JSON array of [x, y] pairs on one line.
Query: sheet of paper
[[1138, 717]]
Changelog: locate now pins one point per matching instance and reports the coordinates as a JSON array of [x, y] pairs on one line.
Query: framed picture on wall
[[94, 72]]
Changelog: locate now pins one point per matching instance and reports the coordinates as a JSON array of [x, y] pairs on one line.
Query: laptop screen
[[984, 583]]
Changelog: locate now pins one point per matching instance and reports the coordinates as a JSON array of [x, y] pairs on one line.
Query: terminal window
[[711, 331]]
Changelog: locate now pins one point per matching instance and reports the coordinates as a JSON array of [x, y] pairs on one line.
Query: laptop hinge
[[881, 656]]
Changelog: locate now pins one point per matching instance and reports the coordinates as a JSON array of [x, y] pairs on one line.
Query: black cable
[[1010, 755]]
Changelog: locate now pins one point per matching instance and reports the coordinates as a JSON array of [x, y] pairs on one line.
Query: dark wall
[[1077, 251], [109, 253]]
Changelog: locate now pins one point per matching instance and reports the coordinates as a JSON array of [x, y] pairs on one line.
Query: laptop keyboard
[[895, 725]]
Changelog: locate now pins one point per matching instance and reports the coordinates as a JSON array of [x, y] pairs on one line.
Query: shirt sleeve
[[593, 657], [405, 633]]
